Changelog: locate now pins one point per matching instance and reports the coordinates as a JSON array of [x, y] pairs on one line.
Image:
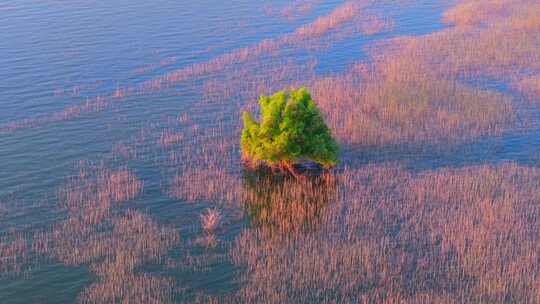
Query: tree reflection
[[284, 203]]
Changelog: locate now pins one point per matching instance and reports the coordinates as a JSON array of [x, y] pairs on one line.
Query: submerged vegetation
[[291, 129]]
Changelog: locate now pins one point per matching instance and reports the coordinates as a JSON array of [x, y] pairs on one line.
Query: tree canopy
[[291, 130]]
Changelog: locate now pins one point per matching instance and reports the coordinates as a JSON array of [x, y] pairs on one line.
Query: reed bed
[[381, 233], [480, 12], [209, 185], [316, 34], [285, 204], [306, 35], [216, 151], [206, 167], [155, 66], [118, 287], [248, 83], [298, 9], [77, 90], [530, 87], [114, 243], [417, 91], [14, 253], [402, 104], [422, 88], [89, 195], [124, 151], [393, 102], [170, 138], [445, 56], [446, 236], [496, 39], [373, 24], [198, 263], [329, 22], [89, 106], [368, 234], [136, 240]]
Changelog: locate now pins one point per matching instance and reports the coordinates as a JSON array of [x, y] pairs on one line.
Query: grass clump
[[291, 130], [210, 219]]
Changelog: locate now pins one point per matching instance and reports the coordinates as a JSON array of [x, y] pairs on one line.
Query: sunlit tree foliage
[[291, 130]]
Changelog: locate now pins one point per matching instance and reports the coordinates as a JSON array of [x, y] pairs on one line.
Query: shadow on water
[[520, 147], [284, 203]]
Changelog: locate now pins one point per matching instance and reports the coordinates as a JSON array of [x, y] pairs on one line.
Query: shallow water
[[59, 53]]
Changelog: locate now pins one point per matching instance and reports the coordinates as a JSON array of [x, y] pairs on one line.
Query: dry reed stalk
[[210, 219], [14, 253], [170, 138], [183, 119]]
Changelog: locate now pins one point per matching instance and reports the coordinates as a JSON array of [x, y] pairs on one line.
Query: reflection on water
[[285, 203]]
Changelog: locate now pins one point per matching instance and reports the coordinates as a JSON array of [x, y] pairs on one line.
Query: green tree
[[291, 130]]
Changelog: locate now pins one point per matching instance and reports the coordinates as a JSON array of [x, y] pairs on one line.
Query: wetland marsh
[[122, 179]]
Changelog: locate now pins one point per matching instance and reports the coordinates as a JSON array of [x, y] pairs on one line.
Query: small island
[[291, 136]]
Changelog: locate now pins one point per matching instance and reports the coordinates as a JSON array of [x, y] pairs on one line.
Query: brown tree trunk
[[287, 167]]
